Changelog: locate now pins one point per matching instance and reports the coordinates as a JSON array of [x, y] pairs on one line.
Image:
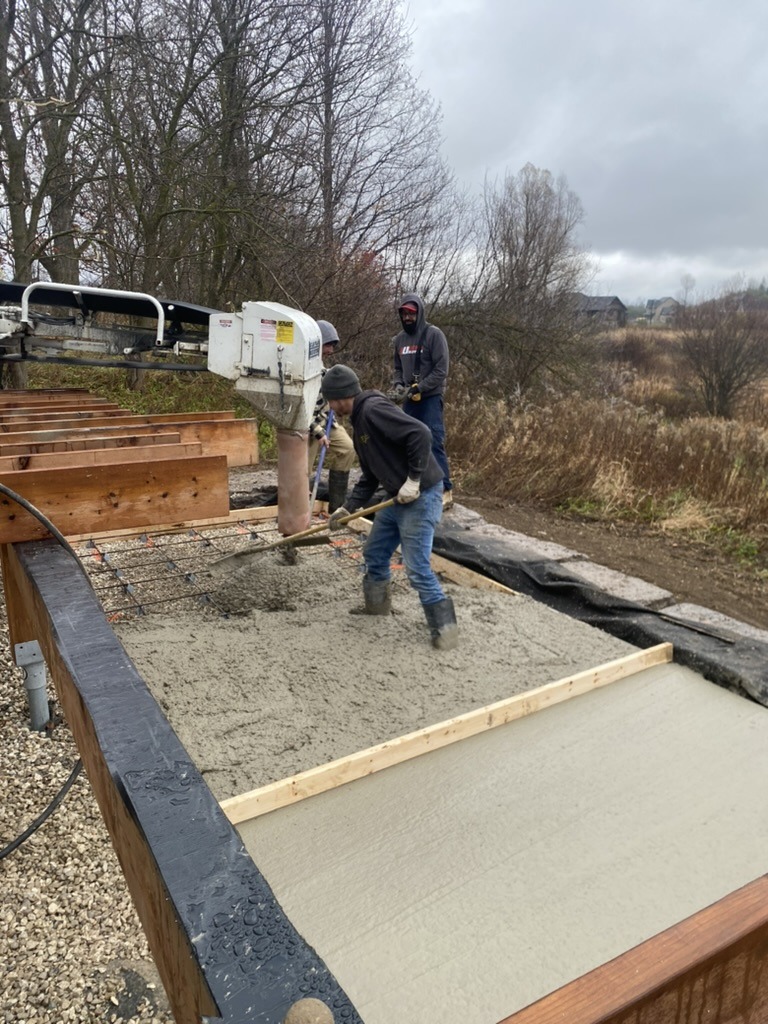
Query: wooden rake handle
[[238, 558], [325, 526]]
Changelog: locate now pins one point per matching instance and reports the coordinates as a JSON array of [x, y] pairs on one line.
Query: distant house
[[662, 311], [608, 308]]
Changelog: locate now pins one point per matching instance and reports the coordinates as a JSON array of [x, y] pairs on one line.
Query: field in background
[[634, 447]]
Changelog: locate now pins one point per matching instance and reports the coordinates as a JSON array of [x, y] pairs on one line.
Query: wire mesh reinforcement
[[137, 575]]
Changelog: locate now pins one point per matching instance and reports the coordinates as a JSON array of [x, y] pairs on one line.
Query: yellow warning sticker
[[285, 332]]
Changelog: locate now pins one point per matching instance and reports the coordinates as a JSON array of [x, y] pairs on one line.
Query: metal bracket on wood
[[30, 660]]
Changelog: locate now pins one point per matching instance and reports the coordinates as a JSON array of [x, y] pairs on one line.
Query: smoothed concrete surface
[[461, 886]]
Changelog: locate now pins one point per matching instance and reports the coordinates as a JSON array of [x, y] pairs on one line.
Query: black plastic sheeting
[[728, 659]]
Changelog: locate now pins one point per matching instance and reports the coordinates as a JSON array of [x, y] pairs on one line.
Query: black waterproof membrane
[[728, 659]]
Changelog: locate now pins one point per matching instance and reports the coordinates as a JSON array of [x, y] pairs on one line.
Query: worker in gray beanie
[[395, 453], [340, 454]]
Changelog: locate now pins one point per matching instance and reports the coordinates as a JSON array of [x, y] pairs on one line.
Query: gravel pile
[[71, 946]]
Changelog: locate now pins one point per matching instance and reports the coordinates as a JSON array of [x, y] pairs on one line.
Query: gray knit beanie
[[340, 382]]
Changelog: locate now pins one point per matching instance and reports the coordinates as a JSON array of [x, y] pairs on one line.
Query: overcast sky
[[655, 111]]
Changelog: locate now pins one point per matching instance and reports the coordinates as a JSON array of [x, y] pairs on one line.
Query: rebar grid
[[133, 575]]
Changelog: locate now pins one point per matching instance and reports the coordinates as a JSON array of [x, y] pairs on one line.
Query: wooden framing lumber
[[21, 411], [79, 415], [125, 420], [263, 513], [199, 896], [84, 499], [79, 443], [710, 967], [98, 457], [237, 439], [8, 396], [247, 806]]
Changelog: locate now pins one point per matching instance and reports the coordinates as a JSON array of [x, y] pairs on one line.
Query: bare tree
[[371, 150], [725, 343], [46, 72], [519, 305]]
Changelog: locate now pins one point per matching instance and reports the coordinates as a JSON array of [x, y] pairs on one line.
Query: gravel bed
[[71, 945]]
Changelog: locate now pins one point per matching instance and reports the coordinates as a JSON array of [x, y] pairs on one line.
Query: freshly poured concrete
[[294, 680], [461, 886]]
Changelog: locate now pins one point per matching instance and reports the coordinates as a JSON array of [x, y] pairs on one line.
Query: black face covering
[[409, 328]]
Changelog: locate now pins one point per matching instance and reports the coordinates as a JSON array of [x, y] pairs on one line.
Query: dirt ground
[[692, 572]]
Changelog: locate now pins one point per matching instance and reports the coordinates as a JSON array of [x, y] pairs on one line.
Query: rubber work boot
[[378, 596], [441, 619], [338, 482]]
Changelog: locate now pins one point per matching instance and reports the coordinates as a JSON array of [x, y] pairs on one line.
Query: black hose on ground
[[16, 843], [62, 540]]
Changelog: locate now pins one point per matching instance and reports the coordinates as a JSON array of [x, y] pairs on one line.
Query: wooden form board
[[100, 457], [278, 794], [23, 410], [235, 516], [237, 439], [123, 419], [83, 499], [14, 396], [76, 443]]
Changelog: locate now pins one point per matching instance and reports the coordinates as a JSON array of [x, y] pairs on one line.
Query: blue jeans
[[429, 411], [412, 526]]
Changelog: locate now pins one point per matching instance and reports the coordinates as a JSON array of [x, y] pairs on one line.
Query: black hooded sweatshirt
[[391, 445], [423, 353]]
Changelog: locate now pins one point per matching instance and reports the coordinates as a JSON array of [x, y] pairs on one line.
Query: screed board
[[460, 887]]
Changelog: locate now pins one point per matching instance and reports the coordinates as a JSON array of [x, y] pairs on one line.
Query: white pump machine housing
[[274, 355]]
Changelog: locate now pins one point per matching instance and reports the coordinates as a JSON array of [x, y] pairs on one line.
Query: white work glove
[[408, 492], [334, 522]]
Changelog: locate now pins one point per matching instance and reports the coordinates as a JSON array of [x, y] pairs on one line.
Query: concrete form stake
[[29, 659]]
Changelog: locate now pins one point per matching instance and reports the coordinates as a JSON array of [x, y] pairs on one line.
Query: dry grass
[[618, 457]]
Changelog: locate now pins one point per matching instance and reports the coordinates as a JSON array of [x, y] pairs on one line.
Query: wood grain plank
[[712, 967], [237, 439], [129, 419], [89, 498], [112, 456], [78, 442]]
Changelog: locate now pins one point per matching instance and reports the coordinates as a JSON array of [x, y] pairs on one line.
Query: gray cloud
[[652, 110]]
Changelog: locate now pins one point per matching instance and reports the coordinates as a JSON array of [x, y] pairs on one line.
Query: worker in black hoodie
[[420, 376], [395, 453]]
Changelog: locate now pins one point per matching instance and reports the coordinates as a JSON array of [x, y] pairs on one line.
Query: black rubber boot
[[378, 596], [441, 619], [338, 482]]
